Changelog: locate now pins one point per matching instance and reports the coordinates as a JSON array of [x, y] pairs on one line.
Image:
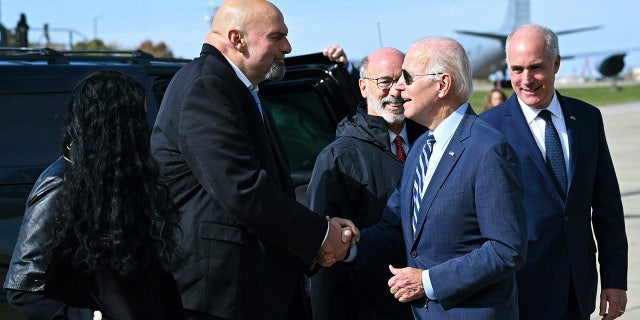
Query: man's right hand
[[335, 53], [343, 235]]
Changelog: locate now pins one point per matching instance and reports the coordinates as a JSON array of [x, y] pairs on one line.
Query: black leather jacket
[[29, 261]]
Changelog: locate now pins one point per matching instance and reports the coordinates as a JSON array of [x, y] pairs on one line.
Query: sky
[[359, 26]]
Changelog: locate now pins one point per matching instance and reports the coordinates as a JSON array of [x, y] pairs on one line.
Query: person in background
[[458, 208], [247, 242], [336, 53], [354, 175], [493, 98], [98, 230], [571, 187]]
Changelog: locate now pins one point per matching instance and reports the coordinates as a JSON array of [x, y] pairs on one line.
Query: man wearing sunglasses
[[353, 177], [458, 208]]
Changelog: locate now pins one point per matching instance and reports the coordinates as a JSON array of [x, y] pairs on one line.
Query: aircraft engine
[[612, 65]]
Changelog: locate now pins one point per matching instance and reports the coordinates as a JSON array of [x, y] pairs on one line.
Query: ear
[[362, 83], [236, 40], [444, 85], [556, 64]]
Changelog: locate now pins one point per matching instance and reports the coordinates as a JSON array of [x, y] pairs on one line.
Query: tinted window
[[31, 129], [304, 124]]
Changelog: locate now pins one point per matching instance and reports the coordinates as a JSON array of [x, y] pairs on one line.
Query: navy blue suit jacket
[[471, 233], [561, 242]]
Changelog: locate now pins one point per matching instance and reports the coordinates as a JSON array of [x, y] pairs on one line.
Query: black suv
[[35, 85]]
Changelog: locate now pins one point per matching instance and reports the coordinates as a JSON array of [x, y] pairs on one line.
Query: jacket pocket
[[214, 231]]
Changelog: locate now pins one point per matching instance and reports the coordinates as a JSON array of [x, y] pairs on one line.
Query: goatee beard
[[276, 71], [391, 117]]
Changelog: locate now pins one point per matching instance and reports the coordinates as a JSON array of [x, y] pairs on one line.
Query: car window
[[32, 129], [304, 123]]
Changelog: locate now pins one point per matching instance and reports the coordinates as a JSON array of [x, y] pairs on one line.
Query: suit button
[[414, 253], [566, 218]]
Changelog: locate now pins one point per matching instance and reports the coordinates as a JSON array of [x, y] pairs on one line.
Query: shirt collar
[[530, 113], [445, 130], [242, 77], [403, 134]]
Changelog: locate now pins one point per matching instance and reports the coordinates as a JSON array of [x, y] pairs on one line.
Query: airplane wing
[[577, 30], [491, 35]]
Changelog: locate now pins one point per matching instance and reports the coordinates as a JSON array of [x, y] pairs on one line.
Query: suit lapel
[[523, 137], [571, 123], [448, 161]]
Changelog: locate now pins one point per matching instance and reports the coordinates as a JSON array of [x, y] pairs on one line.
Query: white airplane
[[486, 49]]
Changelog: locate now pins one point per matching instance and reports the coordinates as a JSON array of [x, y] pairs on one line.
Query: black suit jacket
[[245, 240], [561, 247]]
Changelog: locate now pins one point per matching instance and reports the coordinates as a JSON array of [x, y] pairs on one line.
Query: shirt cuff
[[352, 254], [428, 288], [326, 234], [349, 66]]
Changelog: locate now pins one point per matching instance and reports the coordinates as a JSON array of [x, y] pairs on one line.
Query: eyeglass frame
[[377, 81], [410, 78]]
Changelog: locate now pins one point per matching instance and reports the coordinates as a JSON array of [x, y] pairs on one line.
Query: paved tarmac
[[622, 127]]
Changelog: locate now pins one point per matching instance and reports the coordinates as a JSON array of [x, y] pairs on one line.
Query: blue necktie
[[555, 157], [420, 183], [254, 93]]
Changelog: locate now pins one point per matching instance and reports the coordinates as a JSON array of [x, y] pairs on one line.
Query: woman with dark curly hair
[[98, 231]]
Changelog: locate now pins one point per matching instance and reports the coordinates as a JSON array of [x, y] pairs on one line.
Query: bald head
[[382, 56], [253, 36], [243, 15]]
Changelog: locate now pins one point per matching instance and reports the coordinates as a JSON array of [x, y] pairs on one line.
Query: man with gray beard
[[246, 242], [352, 178]]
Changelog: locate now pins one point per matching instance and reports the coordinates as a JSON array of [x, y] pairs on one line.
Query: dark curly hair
[[111, 211]]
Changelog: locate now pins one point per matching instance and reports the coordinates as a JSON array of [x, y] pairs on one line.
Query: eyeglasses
[[409, 78], [383, 83]]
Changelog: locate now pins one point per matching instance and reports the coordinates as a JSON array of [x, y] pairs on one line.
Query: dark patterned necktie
[[399, 150], [419, 184], [555, 157]]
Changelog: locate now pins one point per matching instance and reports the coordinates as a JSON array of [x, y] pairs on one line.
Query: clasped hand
[[342, 236]]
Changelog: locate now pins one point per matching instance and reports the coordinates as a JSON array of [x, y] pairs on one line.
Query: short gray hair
[[550, 38]]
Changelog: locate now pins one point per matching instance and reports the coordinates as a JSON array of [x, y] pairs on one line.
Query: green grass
[[595, 95]]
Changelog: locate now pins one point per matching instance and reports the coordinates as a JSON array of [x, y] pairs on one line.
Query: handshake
[[342, 236]]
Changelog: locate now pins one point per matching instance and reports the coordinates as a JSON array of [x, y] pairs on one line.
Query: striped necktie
[[420, 184]]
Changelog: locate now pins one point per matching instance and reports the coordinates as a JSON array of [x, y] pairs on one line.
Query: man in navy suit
[[458, 215], [559, 280], [246, 242]]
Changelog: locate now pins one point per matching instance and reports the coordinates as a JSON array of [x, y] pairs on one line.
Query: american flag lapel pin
[[451, 153], [572, 117]]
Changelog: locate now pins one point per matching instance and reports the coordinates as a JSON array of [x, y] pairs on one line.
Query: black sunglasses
[[409, 78]]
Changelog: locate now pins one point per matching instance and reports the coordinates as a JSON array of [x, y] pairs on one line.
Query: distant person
[[493, 98], [98, 230], [457, 211], [22, 31], [246, 241], [571, 189], [353, 176]]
